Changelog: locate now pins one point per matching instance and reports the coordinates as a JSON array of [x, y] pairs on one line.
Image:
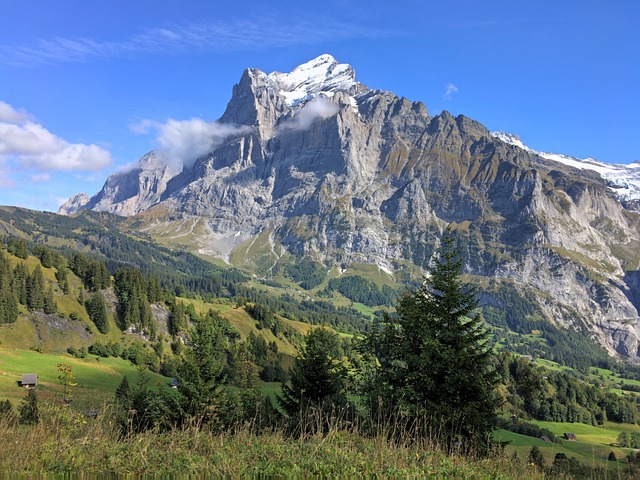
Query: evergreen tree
[[35, 290], [20, 277], [29, 412], [123, 393], [177, 319], [63, 278], [46, 257], [435, 360], [536, 458], [317, 376], [97, 311], [50, 305], [18, 248], [8, 301], [202, 372]]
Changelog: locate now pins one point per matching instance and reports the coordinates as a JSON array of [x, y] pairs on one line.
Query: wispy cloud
[[25, 144], [40, 178], [181, 142], [449, 92], [209, 37]]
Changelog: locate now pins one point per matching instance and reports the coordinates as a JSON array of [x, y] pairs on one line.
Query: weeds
[[328, 444]]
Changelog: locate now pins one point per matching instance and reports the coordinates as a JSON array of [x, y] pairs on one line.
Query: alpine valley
[[313, 164]]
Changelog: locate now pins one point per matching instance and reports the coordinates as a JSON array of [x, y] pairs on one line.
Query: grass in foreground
[[66, 443]]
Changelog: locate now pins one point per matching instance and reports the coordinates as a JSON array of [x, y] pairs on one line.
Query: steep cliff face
[[332, 169], [126, 193]]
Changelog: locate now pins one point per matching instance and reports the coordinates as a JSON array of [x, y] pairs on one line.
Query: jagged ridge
[[332, 169]]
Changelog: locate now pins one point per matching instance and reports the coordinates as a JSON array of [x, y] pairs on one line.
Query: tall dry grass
[[328, 443]]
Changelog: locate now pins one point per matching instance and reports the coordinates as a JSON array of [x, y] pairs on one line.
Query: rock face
[[332, 169]]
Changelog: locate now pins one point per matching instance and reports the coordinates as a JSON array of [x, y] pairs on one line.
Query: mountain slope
[[323, 166]]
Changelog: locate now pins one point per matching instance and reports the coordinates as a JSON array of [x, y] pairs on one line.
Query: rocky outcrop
[[332, 169]]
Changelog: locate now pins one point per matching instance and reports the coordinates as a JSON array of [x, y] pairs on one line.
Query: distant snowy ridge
[[623, 179]]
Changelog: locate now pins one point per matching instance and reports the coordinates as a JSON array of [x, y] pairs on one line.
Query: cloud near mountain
[[180, 142], [319, 107]]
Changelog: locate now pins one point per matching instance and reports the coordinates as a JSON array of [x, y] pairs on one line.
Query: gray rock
[[351, 175]]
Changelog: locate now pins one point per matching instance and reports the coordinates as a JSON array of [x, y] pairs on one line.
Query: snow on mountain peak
[[624, 180], [322, 74]]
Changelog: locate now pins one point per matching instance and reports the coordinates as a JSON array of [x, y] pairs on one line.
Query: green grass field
[[96, 378], [592, 446]]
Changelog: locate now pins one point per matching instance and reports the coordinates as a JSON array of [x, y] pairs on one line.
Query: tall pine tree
[[318, 375], [35, 290], [435, 357]]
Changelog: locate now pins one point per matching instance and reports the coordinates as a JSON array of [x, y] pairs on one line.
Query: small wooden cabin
[[29, 380]]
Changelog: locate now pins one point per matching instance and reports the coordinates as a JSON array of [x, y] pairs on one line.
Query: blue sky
[[76, 75]]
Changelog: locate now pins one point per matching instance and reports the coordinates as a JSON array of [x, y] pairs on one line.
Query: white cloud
[[26, 144], [181, 142], [319, 107], [8, 114], [449, 91]]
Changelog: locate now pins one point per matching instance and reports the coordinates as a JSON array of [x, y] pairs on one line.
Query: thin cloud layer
[[25, 144], [181, 142], [211, 37], [319, 107]]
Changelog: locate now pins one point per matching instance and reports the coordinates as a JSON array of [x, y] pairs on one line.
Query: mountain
[[623, 179], [318, 165]]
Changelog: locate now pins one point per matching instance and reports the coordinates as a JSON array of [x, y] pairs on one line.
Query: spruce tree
[[201, 375], [20, 277], [317, 376], [97, 311], [35, 290], [49, 305], [435, 359], [8, 301], [29, 411]]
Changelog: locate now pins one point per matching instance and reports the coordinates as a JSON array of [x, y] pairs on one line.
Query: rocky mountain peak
[[260, 99], [348, 175], [74, 204], [322, 74]]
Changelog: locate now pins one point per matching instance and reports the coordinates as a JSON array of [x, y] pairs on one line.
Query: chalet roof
[[30, 379], [174, 382], [570, 435]]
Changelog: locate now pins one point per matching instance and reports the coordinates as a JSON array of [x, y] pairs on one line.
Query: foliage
[[97, 311], [517, 311], [29, 412], [18, 248], [536, 458], [143, 407], [434, 355], [93, 272], [8, 298], [131, 289], [359, 289], [317, 376], [307, 272], [557, 396], [66, 379], [35, 290], [202, 371]]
